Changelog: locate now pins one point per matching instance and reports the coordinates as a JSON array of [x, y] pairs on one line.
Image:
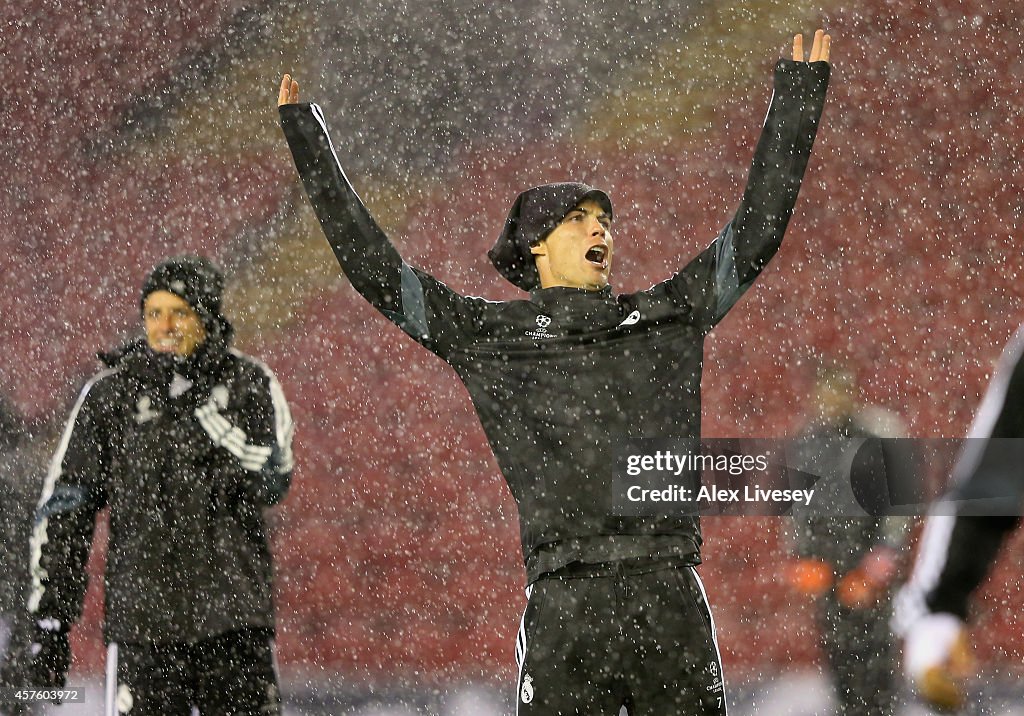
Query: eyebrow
[[602, 215]]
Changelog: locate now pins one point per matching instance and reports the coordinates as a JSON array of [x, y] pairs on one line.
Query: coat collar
[[569, 297], [561, 302]]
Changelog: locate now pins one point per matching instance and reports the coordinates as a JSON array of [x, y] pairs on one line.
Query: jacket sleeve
[[712, 283], [75, 490], [423, 307], [254, 433], [988, 492], [968, 557], [965, 530]]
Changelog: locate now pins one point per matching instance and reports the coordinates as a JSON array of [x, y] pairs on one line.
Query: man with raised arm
[[616, 613], [962, 538]]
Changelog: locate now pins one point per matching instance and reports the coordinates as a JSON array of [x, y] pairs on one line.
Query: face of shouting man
[[578, 252], [172, 326]]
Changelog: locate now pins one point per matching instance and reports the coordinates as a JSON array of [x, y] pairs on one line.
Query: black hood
[[535, 214], [199, 282]]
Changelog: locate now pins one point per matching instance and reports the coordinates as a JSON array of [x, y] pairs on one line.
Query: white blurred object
[[929, 642]]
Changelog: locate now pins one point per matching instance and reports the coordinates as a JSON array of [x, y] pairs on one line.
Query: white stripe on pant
[[714, 636], [521, 646], [111, 681]]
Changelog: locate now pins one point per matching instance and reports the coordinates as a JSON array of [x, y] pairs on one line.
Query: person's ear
[[540, 249]]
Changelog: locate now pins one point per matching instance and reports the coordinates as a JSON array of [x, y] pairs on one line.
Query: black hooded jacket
[[557, 377], [188, 556]]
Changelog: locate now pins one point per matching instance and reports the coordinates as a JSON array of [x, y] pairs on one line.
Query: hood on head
[[535, 214]]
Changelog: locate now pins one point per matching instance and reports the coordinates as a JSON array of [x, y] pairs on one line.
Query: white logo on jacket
[[179, 386], [219, 396], [717, 684], [542, 327], [125, 701], [144, 410], [526, 694], [632, 318]]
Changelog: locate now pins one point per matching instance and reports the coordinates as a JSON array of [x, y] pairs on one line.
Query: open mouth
[[598, 255]]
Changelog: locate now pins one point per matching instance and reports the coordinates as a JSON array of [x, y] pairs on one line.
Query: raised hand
[[289, 93], [819, 47]]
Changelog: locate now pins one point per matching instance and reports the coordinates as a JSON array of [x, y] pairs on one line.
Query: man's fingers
[[816, 45], [282, 95], [820, 46], [289, 93]]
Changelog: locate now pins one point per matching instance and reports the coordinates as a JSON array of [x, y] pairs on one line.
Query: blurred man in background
[[187, 441], [847, 562]]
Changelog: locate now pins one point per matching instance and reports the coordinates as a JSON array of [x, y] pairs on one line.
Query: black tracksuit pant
[[228, 675], [595, 638]]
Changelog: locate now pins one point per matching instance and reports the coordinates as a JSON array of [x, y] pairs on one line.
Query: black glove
[[49, 655], [230, 437]]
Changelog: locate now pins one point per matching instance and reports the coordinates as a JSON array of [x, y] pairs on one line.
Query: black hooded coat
[[188, 557], [557, 378]]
